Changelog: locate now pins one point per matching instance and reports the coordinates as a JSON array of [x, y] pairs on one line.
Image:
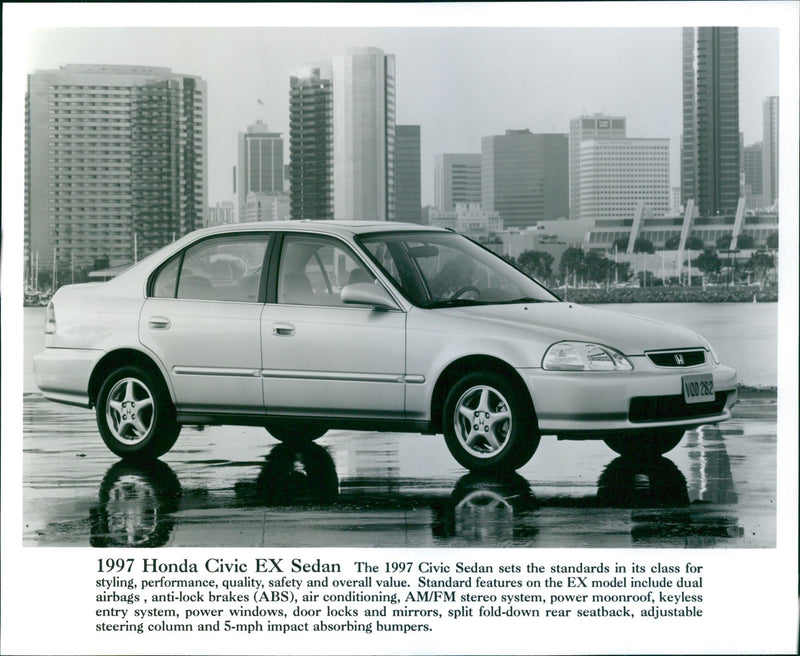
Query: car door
[[321, 356], [202, 319]]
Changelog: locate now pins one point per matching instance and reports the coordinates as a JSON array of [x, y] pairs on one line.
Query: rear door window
[[224, 268]]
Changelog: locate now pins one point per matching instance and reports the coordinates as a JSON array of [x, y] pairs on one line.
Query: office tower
[[524, 176], [259, 168], [311, 144], [597, 126], [457, 179], [770, 152], [675, 200], [710, 142], [752, 167], [408, 174], [116, 161], [616, 175]]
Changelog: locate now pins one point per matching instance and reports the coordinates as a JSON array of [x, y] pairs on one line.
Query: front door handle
[[282, 329], [159, 323]]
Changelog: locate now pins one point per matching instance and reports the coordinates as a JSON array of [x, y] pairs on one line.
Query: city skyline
[[481, 82]]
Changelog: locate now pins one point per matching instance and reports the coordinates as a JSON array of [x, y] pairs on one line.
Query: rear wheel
[[135, 414], [296, 431], [654, 442], [489, 424]]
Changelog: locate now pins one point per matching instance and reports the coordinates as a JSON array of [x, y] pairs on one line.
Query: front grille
[[665, 408], [683, 358]]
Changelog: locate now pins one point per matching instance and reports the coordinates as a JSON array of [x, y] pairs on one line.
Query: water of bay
[[744, 334]]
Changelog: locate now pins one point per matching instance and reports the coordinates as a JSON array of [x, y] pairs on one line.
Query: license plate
[[698, 388]]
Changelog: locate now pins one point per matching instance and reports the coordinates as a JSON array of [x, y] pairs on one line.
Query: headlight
[[584, 356], [710, 348]]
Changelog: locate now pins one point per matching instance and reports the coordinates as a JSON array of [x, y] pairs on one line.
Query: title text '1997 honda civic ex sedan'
[[302, 327]]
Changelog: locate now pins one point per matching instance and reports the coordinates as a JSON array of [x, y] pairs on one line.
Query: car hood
[[631, 334]]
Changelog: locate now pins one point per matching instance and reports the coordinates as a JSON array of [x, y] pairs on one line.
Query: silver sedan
[[301, 327]]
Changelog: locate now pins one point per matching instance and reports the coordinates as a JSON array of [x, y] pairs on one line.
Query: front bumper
[[63, 374], [590, 404]]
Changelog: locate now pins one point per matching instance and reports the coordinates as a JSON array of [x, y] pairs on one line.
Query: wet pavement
[[238, 487]]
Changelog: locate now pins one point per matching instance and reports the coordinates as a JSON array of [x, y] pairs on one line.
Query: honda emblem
[[679, 359]]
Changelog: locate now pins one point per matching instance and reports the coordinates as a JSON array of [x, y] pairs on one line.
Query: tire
[[144, 432], [489, 424], [296, 432], [647, 444]]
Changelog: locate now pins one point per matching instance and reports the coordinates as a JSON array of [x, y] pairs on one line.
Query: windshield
[[435, 269]]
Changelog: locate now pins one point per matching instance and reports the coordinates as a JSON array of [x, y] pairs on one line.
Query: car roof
[[328, 227]]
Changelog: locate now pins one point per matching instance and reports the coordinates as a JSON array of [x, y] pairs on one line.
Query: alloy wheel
[[129, 411], [482, 421]]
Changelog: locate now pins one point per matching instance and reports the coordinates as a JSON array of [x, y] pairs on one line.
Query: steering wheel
[[464, 290]]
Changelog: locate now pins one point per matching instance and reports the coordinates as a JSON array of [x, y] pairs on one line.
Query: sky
[[458, 83]]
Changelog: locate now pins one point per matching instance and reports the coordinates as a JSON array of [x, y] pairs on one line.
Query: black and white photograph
[[400, 329]]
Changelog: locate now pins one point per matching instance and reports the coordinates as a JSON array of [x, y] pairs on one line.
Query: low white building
[[220, 214], [265, 207], [469, 219]]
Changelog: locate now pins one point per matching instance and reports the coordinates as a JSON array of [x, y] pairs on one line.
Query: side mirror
[[367, 293]]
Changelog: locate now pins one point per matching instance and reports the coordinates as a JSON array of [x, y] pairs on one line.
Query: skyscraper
[[597, 126], [524, 176], [457, 180], [311, 144], [363, 135], [342, 138], [259, 168], [710, 143], [116, 161], [408, 174], [770, 150]]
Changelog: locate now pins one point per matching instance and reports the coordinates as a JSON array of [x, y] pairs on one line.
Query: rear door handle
[[282, 329], [159, 323]]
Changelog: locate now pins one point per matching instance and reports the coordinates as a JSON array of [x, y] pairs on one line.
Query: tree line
[[597, 267]]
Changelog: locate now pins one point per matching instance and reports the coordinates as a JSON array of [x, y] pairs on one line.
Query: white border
[[754, 592]]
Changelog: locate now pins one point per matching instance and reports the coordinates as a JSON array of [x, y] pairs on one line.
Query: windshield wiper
[[453, 302], [523, 299]]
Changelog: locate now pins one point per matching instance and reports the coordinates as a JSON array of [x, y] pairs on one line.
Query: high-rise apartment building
[[259, 167], [311, 144], [616, 175], [342, 138], [597, 126], [116, 161], [710, 143], [524, 176], [408, 174], [457, 180], [770, 152]]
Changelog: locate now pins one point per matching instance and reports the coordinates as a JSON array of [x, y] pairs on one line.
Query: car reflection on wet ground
[[237, 487]]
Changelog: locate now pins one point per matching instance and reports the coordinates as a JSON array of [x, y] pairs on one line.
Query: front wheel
[[135, 414], [648, 443], [489, 424]]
